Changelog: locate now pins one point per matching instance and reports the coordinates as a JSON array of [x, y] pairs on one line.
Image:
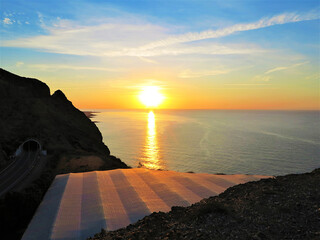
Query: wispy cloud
[[19, 64], [262, 23], [266, 77], [116, 38], [315, 76], [192, 74], [7, 21], [41, 20], [71, 67], [110, 39], [13, 18], [262, 78], [148, 60], [248, 84], [284, 68], [195, 48]]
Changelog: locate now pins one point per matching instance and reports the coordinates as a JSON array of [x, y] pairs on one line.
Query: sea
[[213, 141]]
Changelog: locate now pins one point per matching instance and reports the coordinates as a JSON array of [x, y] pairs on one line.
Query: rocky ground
[[286, 207]]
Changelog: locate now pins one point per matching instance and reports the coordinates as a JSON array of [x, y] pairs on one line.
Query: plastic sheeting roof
[[78, 205]]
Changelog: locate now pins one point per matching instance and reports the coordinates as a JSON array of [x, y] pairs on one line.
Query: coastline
[[90, 115]]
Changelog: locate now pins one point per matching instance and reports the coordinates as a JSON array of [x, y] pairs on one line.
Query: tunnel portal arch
[[31, 145]]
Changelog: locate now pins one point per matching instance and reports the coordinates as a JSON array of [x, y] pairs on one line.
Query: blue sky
[[113, 46]]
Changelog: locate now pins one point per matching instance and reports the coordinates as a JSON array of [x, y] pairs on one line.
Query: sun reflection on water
[[151, 155]]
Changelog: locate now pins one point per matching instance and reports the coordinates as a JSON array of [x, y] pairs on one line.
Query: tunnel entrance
[[31, 145]]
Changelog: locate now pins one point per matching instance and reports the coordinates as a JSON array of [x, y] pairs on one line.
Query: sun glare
[[150, 96]]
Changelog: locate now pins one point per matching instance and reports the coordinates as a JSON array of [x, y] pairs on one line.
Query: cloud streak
[[191, 74], [262, 23], [266, 76], [285, 68], [116, 39], [71, 67], [19, 64]]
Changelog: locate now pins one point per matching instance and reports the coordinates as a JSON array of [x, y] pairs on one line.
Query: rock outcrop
[[286, 207]]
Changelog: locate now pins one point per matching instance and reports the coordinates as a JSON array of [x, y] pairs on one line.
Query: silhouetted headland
[[72, 143], [90, 115]]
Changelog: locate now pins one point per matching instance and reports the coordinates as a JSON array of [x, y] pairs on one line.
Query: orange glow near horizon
[[151, 97], [141, 95]]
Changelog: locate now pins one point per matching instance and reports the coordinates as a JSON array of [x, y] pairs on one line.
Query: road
[[18, 170]]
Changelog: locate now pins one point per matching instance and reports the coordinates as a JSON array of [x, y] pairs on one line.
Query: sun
[[150, 96]]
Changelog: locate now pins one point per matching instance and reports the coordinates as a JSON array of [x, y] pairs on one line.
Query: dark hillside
[[28, 110], [73, 143]]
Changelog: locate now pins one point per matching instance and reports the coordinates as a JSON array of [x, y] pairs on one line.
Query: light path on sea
[[213, 141]]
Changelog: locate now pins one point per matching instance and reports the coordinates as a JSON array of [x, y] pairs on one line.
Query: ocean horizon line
[[200, 109]]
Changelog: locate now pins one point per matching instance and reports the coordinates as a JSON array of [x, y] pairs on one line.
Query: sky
[[219, 54]]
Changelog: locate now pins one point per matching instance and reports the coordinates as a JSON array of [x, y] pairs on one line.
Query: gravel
[[285, 207]]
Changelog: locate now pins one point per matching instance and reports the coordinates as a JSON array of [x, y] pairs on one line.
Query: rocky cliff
[[73, 143], [28, 110]]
